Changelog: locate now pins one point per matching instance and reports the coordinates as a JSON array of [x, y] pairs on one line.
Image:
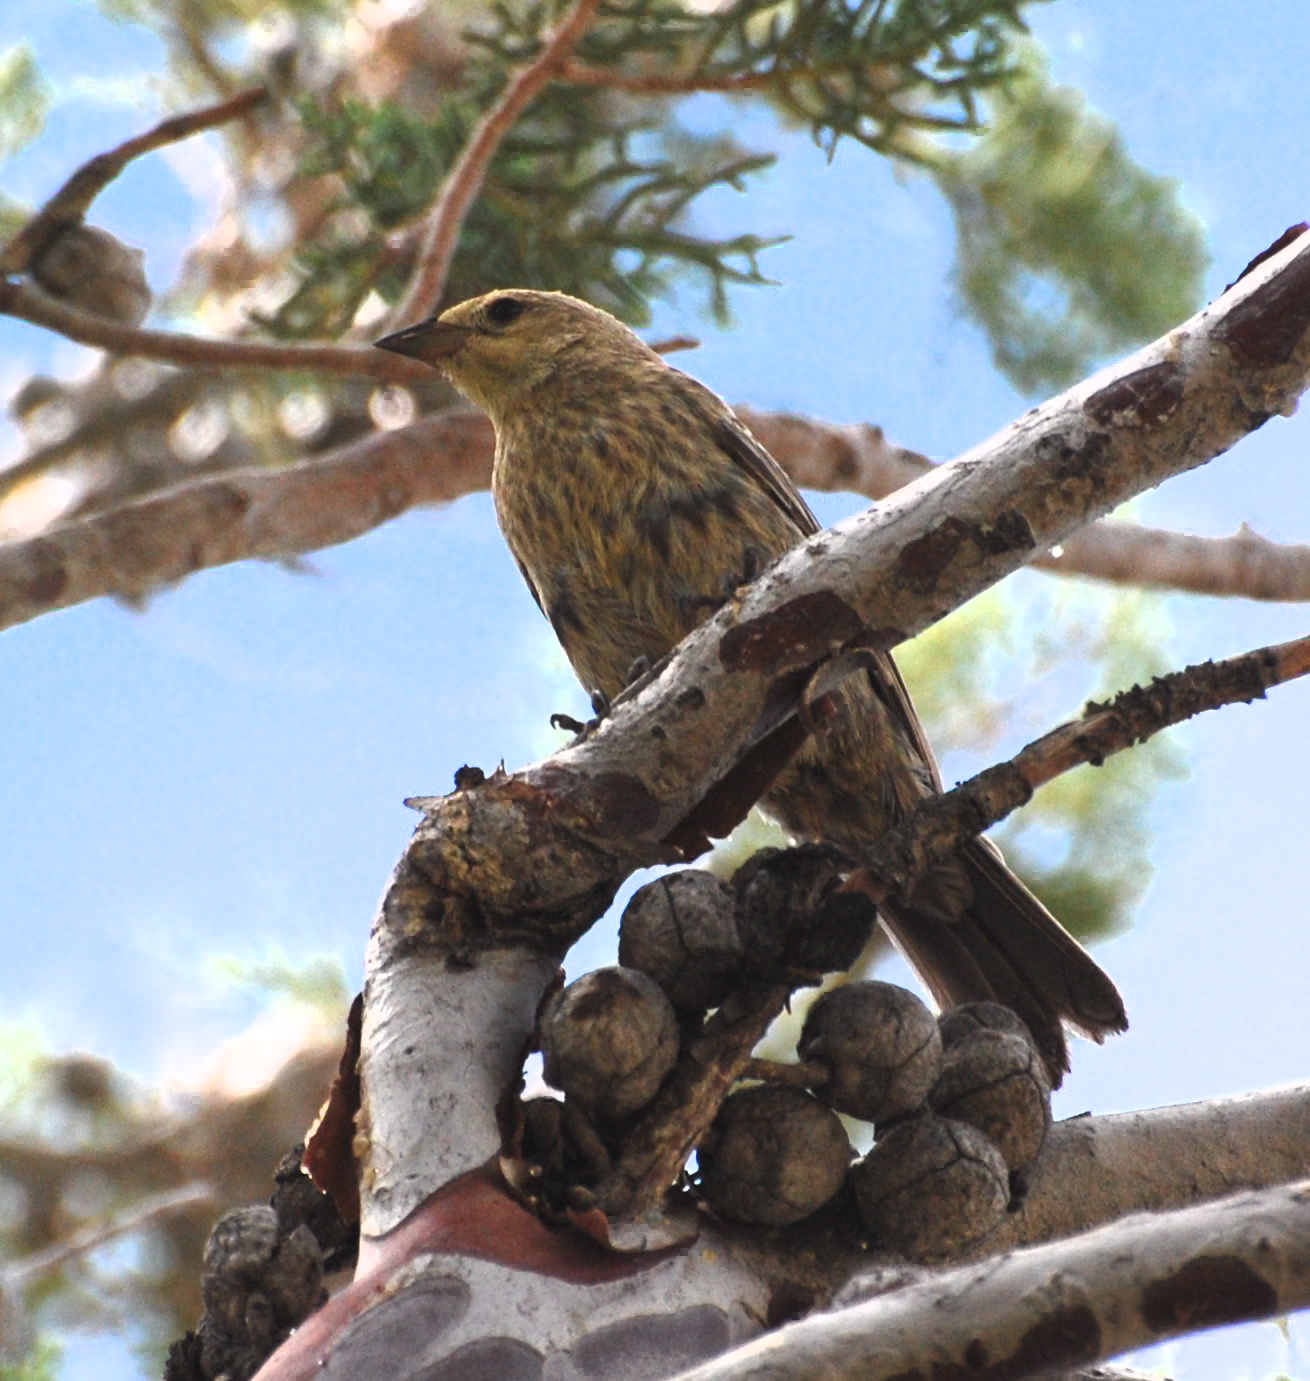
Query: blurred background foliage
[[1068, 251]]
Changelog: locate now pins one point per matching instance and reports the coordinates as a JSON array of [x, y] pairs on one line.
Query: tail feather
[[1007, 947]]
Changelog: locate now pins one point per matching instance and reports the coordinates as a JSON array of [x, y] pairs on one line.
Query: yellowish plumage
[[635, 502]]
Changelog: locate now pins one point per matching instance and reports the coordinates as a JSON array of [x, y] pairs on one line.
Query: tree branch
[[465, 179], [935, 829], [29, 303], [151, 542], [1245, 564], [666, 83], [139, 547], [827, 456], [72, 201], [146, 1213], [1093, 1170], [1163, 1158], [1046, 1309]]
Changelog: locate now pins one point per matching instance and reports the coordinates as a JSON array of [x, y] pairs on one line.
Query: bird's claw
[[600, 703]]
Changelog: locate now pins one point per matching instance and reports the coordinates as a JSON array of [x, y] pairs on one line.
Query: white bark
[[441, 1045], [1051, 1309], [1095, 1169]]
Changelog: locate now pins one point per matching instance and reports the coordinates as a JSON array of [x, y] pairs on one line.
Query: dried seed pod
[[881, 1048], [608, 1040], [543, 1133], [959, 1023], [773, 1156], [930, 1186], [791, 913], [91, 270], [997, 1082], [681, 930]]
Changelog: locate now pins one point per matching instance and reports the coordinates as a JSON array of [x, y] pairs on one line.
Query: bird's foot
[[600, 704]]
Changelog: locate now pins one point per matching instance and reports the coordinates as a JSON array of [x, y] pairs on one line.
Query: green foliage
[[24, 100], [21, 1052], [318, 981], [13, 216], [40, 1364], [865, 70], [1069, 251], [586, 196], [992, 675], [593, 191]]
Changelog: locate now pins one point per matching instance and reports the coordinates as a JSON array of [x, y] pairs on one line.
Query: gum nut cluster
[[773, 1156], [880, 1046], [993, 1079], [958, 1105], [681, 930], [940, 1178], [931, 1186], [608, 1041]]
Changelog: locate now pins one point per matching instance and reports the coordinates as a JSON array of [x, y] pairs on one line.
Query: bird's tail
[[1006, 947]]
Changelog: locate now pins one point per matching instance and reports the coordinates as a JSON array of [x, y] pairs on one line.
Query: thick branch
[[891, 572], [340, 496], [72, 201], [135, 549], [1093, 1170], [825, 456], [1137, 1282], [465, 179]]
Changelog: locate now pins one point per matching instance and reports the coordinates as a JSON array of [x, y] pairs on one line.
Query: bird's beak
[[432, 341]]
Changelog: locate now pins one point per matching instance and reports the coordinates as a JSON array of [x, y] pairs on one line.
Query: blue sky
[[224, 774]]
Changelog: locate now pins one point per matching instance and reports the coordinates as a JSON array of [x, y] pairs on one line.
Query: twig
[[1055, 1308], [465, 179], [29, 303], [72, 201], [663, 83], [670, 345], [799, 1074], [936, 829], [668, 1131], [142, 1215]]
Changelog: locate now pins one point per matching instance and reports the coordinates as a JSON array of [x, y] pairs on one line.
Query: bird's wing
[[733, 437], [528, 581]]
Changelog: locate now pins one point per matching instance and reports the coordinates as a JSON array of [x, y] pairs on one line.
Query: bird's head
[[501, 347]]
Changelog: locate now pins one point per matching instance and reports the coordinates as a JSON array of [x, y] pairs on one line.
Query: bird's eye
[[505, 310]]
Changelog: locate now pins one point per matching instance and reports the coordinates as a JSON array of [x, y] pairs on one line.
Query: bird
[[635, 501]]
